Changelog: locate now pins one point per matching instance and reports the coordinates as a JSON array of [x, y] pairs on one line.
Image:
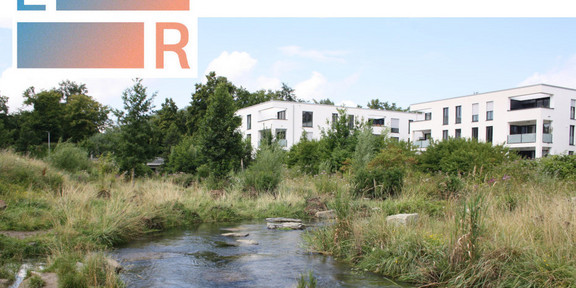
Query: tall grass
[[503, 231]]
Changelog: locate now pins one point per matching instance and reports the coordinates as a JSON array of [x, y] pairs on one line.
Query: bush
[[561, 166], [383, 175], [71, 158], [304, 155], [183, 157], [463, 156], [265, 173]]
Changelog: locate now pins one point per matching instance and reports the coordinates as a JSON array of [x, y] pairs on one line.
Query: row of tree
[[200, 138]]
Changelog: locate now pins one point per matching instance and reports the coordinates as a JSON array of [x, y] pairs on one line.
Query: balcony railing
[[522, 138], [528, 138], [422, 143]]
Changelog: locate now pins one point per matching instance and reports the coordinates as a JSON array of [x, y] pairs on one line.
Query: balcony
[[528, 138], [422, 143]]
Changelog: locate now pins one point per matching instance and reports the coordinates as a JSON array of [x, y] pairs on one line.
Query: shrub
[[384, 174], [69, 157], [265, 173], [183, 157], [561, 166], [463, 156], [304, 155]]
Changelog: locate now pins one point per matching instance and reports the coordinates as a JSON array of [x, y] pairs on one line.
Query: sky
[[352, 56]]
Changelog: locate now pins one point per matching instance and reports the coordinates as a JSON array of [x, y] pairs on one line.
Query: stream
[[202, 257]]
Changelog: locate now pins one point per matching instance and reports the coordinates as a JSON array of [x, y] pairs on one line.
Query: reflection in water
[[202, 257]]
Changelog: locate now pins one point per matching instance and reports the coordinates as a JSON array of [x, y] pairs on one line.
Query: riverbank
[[513, 227]]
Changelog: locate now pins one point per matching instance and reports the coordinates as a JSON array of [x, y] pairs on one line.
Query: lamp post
[[48, 142]]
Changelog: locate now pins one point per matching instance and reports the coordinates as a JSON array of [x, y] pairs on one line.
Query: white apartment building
[[288, 120], [535, 120]]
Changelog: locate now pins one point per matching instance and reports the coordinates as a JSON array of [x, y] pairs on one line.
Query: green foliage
[[220, 143], [70, 157], [561, 166], [307, 283], [22, 173], [304, 155], [451, 186], [379, 105], [36, 282], [383, 175], [184, 157], [339, 142], [83, 117], [135, 147], [265, 173], [463, 156]]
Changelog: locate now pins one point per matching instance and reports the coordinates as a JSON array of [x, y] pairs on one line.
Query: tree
[[4, 131], [83, 117], [326, 101], [68, 88], [135, 146], [379, 105], [220, 143], [201, 98], [168, 125], [286, 94], [46, 117]]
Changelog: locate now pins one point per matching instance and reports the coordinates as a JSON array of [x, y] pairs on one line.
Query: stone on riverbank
[[247, 242], [235, 234], [329, 214], [402, 219], [286, 226], [282, 220]]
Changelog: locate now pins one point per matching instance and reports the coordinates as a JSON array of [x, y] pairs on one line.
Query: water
[[202, 257]]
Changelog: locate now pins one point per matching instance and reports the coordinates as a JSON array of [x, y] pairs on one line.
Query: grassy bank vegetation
[[487, 218]]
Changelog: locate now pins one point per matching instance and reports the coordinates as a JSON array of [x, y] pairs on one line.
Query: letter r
[[178, 48]]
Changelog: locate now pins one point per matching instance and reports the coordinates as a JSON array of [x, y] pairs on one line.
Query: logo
[[107, 38]]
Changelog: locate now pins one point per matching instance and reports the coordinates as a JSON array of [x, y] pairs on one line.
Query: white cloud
[[107, 91], [562, 75], [235, 66], [347, 103], [312, 88], [266, 83], [316, 55]]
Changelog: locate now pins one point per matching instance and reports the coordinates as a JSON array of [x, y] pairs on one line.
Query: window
[[249, 138], [428, 116], [571, 137], [445, 114], [444, 134], [397, 139], [395, 125], [475, 109], [458, 114], [350, 122], [281, 137], [489, 111], [282, 115], [307, 119], [522, 129], [489, 133], [377, 122], [334, 119], [570, 152], [546, 128], [531, 103], [458, 133], [248, 122], [573, 109], [475, 133]]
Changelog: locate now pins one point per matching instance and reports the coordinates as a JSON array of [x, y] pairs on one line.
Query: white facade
[[288, 120], [535, 120]]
